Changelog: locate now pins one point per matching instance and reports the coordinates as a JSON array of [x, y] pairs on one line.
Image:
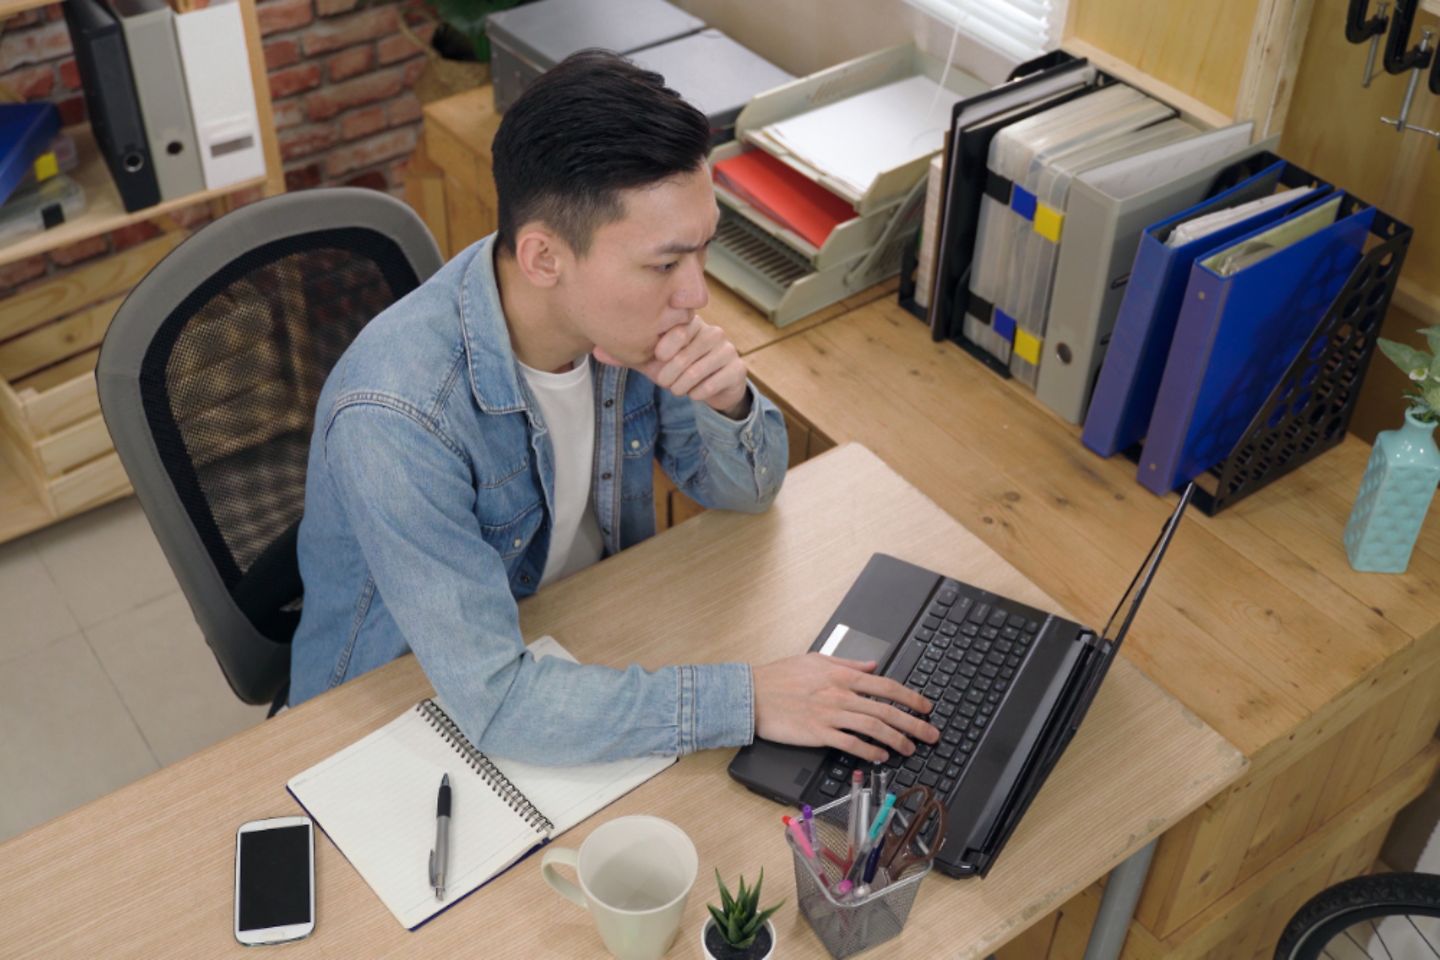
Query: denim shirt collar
[[494, 377]]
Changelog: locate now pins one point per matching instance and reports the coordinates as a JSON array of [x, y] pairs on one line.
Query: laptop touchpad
[[850, 644]]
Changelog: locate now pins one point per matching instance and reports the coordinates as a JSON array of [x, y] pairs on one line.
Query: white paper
[[856, 139]]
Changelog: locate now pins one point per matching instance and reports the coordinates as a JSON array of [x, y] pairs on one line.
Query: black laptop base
[[995, 670]]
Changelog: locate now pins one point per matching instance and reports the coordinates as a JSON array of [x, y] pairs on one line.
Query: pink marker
[[801, 840]]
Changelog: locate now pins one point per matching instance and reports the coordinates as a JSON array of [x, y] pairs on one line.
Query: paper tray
[[835, 84], [846, 242], [783, 284]]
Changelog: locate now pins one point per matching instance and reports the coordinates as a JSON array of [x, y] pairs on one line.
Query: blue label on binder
[[1004, 323], [1022, 201]]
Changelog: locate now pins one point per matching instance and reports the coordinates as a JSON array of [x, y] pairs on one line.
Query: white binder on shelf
[[222, 96], [149, 27]]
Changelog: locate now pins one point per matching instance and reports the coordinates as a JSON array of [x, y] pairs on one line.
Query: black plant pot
[[452, 44], [715, 945]]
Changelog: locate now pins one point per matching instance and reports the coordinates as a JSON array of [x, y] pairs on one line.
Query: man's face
[[643, 273]]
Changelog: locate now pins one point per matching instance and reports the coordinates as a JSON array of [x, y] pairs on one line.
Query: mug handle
[[558, 856]]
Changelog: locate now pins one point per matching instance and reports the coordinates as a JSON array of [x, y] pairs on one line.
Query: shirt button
[[604, 476], [634, 444], [609, 403], [525, 578], [518, 541], [762, 471], [605, 531]]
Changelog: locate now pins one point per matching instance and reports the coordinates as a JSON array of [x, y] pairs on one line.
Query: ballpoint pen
[[440, 856], [809, 820], [852, 833]]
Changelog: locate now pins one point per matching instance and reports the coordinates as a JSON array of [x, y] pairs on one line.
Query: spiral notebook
[[376, 801]]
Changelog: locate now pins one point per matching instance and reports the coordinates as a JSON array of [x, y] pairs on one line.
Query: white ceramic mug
[[635, 874]]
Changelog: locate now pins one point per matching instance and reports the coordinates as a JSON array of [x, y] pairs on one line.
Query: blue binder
[[1238, 334], [1130, 377], [26, 130]]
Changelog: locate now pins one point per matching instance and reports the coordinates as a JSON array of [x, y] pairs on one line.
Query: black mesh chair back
[[208, 379]]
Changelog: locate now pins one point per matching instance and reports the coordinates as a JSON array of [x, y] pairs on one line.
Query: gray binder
[[149, 27], [1108, 209]]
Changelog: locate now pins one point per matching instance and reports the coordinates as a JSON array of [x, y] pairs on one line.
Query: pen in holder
[[849, 923]]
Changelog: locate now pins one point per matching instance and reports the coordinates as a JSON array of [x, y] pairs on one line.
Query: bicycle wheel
[[1388, 916]]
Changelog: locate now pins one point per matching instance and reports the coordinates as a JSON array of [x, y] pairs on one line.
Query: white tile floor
[[104, 676]]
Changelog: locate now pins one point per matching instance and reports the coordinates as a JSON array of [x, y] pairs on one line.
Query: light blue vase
[[1394, 497]]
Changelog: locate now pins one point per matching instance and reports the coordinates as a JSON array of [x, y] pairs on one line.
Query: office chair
[[208, 378]]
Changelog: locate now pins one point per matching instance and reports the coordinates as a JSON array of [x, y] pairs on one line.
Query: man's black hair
[[593, 125]]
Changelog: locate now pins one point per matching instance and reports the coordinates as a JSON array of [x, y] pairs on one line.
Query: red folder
[[783, 194]]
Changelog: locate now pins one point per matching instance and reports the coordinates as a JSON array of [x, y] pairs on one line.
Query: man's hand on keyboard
[[815, 700]]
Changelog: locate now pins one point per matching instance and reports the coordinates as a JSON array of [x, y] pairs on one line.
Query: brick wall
[[340, 75]]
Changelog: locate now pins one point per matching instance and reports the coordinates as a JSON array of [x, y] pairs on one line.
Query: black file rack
[[1309, 410]]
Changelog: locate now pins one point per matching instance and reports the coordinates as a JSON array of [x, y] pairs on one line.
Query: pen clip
[[434, 882]]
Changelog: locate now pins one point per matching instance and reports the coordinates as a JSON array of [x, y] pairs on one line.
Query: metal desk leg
[[1122, 891]]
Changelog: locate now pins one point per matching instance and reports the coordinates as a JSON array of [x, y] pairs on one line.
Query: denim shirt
[[428, 504]]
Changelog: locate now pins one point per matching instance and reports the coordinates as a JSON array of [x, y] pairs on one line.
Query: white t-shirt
[[567, 403]]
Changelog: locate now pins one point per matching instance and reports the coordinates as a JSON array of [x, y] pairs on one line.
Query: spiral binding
[[490, 773]]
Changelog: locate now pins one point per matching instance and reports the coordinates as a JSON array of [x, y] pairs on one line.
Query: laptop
[[1010, 684]]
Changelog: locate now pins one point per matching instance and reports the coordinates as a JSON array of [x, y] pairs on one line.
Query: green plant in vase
[[1404, 468]]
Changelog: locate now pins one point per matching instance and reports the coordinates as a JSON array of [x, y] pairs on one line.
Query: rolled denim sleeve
[[408, 494], [719, 462]]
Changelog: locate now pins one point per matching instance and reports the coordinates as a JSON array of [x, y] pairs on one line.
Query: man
[[495, 430]]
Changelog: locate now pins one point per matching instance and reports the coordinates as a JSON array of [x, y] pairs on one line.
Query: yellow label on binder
[[46, 166], [1048, 222], [1027, 347]]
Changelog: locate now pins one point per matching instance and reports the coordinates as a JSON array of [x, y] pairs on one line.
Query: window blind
[[1022, 29]]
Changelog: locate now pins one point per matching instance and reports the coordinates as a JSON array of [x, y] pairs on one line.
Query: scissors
[[905, 850]]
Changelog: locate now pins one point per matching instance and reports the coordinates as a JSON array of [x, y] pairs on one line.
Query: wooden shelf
[[1188, 106], [21, 511], [103, 210], [8, 8]]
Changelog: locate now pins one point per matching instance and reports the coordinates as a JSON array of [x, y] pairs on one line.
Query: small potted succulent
[[737, 931]]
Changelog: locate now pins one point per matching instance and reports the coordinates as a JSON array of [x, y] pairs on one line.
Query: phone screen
[[274, 877]]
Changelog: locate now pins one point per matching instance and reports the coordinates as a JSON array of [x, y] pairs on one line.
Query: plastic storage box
[[526, 41]]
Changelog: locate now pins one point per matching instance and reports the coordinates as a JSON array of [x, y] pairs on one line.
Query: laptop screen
[[1125, 610]]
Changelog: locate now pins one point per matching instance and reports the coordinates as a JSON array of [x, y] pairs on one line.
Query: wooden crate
[[51, 432]]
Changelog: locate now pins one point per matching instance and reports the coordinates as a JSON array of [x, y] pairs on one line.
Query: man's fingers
[[864, 666], [904, 722], [676, 339], [854, 745], [732, 374], [704, 343], [877, 729], [701, 370], [890, 690]]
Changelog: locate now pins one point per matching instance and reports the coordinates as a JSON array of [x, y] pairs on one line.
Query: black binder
[[104, 66]]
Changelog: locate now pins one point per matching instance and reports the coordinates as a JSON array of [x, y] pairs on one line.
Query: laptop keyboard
[[971, 646]]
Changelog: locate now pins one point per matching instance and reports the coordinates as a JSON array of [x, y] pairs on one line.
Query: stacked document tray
[[865, 131]]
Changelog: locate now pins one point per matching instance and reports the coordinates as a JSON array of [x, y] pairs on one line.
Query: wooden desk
[[1327, 679], [147, 871]]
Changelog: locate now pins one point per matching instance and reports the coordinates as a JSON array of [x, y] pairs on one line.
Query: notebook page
[[568, 795], [376, 801]]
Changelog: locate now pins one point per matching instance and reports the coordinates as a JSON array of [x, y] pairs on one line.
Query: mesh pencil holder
[[848, 926]]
